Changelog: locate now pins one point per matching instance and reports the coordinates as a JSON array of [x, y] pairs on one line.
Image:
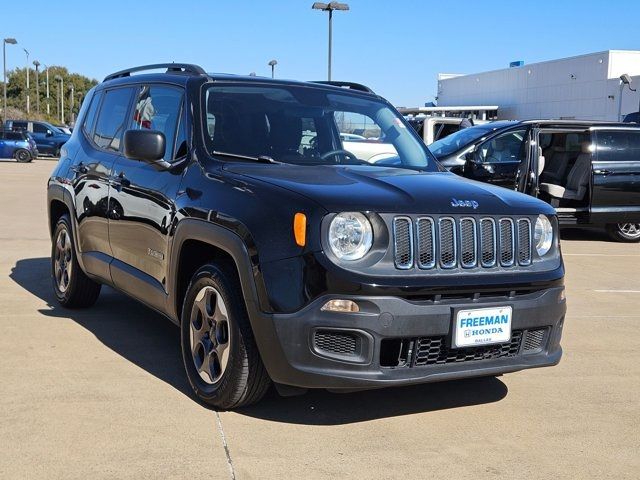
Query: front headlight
[[543, 235], [350, 236]]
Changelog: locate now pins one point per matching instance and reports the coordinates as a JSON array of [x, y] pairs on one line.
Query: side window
[[20, 126], [39, 128], [617, 145], [14, 136], [508, 147], [111, 119], [159, 108], [90, 117]]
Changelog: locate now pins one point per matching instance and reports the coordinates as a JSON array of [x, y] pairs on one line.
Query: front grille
[[335, 342], [434, 351], [448, 243]]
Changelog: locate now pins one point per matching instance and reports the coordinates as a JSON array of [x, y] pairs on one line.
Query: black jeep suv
[[230, 205]]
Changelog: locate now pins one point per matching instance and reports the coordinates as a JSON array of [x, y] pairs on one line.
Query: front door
[[498, 159], [615, 179], [144, 196]]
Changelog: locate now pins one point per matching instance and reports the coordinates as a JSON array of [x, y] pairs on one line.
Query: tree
[[17, 97]]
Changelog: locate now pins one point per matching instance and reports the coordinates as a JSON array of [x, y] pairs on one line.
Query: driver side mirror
[[145, 145], [49, 133]]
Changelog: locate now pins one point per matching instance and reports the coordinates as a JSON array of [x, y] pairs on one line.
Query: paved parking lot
[[100, 393]]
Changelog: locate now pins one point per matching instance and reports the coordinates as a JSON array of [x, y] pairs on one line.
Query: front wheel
[[624, 232], [220, 356], [23, 156]]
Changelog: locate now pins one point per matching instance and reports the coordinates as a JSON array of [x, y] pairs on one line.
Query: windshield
[[309, 126], [458, 140]]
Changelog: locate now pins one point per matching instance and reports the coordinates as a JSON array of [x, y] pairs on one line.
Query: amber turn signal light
[[300, 229]]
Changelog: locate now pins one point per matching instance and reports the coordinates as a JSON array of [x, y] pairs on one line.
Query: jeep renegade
[[231, 206]]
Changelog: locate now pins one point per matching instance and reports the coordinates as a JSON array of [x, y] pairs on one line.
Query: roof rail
[[350, 85], [171, 68]]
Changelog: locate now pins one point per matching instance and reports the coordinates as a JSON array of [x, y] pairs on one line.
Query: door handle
[[80, 168], [119, 181], [603, 172]]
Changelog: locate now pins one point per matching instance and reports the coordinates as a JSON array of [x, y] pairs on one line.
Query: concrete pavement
[[100, 393]]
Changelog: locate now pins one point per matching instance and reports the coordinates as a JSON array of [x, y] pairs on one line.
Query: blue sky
[[396, 47]]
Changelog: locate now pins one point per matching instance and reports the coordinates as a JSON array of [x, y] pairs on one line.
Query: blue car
[[18, 145], [48, 138]]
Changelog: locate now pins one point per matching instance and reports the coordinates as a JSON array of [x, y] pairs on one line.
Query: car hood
[[392, 190]]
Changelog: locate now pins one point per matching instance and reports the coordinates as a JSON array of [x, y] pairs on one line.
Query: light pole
[[10, 41], [27, 53], [330, 7], [60, 81], [46, 68], [36, 64], [273, 64], [625, 79], [71, 114]]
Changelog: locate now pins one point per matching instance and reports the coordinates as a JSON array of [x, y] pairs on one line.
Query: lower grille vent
[[535, 339], [335, 342]]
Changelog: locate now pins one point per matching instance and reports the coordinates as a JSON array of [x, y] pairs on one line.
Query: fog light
[[340, 306]]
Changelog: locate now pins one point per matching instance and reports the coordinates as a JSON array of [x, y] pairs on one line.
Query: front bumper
[[317, 349]]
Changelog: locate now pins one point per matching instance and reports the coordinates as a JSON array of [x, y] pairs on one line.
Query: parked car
[[589, 171], [432, 129], [296, 262], [48, 138], [64, 129], [18, 145]]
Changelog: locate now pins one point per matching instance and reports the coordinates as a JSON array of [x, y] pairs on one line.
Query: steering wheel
[[340, 151]]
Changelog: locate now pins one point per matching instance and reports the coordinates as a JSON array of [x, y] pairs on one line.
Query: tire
[[219, 353], [624, 232], [71, 285], [22, 156]]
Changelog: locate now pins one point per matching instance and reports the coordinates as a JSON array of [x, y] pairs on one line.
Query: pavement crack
[[232, 472]]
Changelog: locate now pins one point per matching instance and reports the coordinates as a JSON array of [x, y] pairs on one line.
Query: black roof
[[181, 73]]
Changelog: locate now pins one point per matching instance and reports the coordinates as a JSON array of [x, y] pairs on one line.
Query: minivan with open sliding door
[[588, 171]]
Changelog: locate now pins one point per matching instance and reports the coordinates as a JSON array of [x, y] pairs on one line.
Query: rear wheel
[[219, 353], [72, 287], [22, 156], [624, 232]]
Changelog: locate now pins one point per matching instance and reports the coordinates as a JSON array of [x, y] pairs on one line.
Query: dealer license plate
[[482, 326]]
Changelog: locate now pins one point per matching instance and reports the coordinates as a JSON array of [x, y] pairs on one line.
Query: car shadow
[[151, 342]]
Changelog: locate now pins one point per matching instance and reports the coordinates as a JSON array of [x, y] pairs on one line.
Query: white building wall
[[583, 87]]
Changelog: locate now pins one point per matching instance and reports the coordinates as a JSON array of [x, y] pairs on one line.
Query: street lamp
[[330, 7], [27, 53], [72, 121], [625, 79], [60, 101], [36, 64], [10, 41], [273, 64], [46, 67]]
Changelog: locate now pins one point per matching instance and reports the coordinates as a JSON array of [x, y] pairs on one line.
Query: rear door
[[615, 179], [92, 173]]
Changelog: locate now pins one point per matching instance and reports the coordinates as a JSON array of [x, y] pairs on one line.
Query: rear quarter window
[[90, 118], [618, 145]]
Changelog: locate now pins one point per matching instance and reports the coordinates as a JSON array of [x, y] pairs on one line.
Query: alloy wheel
[[63, 263], [631, 230], [210, 335]]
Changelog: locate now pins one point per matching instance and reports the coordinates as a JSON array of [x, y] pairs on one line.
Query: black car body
[[241, 190], [589, 171]]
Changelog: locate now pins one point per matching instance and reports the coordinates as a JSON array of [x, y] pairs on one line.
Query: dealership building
[[585, 87]]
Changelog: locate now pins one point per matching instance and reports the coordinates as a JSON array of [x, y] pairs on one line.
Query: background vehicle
[[232, 206], [64, 129], [48, 138], [588, 171], [18, 145]]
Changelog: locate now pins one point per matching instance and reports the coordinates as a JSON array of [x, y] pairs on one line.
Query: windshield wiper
[[260, 159]]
